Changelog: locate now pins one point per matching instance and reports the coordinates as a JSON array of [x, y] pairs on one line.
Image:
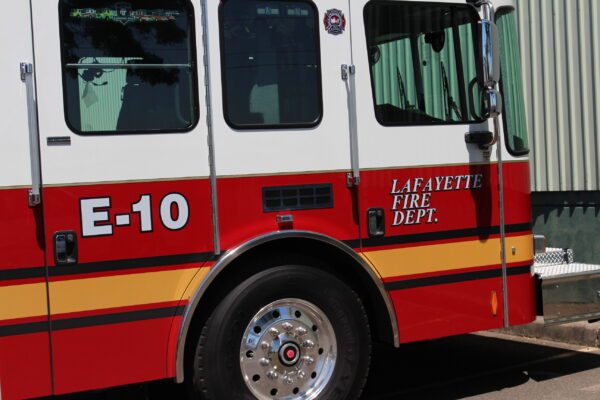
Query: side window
[[128, 67], [270, 64], [423, 62], [511, 84]]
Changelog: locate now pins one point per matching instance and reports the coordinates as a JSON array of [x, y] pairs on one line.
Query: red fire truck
[[246, 194]]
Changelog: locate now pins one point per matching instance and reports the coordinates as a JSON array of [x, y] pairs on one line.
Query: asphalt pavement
[[488, 366]]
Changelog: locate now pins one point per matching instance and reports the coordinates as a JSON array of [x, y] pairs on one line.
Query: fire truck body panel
[[22, 286], [134, 230]]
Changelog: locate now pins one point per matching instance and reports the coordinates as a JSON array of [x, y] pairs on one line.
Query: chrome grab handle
[[26, 72]]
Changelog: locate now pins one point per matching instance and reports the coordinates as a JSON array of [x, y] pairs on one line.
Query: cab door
[[24, 335], [126, 194], [428, 198]]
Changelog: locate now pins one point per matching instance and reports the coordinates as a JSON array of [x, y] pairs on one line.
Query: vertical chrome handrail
[[26, 72]]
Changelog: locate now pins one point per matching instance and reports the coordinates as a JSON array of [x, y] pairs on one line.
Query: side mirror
[[490, 43], [491, 99], [491, 103]]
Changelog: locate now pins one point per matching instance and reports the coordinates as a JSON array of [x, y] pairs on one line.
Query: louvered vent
[[297, 197]]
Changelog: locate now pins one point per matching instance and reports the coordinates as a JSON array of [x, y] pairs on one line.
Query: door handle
[[376, 222], [65, 248]]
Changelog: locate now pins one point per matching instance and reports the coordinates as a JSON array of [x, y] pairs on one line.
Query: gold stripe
[[120, 290], [448, 256], [15, 187], [23, 301]]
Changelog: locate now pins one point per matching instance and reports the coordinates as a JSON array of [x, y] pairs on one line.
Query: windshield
[[423, 62]]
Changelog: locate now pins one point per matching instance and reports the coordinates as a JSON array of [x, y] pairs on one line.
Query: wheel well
[[301, 251]]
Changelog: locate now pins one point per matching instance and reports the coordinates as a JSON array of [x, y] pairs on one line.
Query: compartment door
[[126, 190]]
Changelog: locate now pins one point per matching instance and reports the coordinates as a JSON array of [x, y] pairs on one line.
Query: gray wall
[[560, 42], [560, 49]]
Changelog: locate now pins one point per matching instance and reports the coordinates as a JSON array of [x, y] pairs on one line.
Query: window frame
[[189, 7], [280, 126], [478, 64], [500, 12]]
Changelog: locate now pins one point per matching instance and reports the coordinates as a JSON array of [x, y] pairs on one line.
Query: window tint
[[128, 67], [511, 84], [423, 62], [271, 66]]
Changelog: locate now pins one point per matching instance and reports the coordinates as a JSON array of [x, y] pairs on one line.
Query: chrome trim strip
[[234, 253], [502, 223], [211, 141], [126, 66]]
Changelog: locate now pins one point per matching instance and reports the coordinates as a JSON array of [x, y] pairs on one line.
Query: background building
[[560, 48]]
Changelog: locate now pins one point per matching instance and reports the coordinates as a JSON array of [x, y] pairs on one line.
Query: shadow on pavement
[[466, 366], [450, 368]]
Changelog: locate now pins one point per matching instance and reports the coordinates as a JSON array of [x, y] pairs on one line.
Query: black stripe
[[22, 273], [131, 263], [106, 319], [178, 259], [94, 320], [23, 329], [105, 266], [444, 235], [454, 278]]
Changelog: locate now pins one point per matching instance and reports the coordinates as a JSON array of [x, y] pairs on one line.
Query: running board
[[568, 292]]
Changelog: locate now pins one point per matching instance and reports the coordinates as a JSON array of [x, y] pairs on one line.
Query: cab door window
[[128, 67], [423, 62], [270, 64]]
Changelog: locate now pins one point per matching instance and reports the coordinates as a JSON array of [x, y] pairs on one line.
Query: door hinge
[[34, 198], [347, 70], [25, 69], [352, 180]]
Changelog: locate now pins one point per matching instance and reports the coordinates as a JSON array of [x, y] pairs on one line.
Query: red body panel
[[61, 210], [242, 217], [25, 366], [111, 355], [22, 262], [102, 348], [104, 355]]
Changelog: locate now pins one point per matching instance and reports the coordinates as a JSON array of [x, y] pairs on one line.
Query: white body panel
[[383, 147], [15, 42], [322, 148], [108, 158]]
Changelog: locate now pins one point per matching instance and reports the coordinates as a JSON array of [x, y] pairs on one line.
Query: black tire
[[216, 371]]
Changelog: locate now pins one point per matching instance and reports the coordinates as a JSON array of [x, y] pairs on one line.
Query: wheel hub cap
[[289, 354], [288, 351]]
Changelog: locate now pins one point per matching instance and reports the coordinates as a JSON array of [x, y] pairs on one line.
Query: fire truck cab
[[242, 195]]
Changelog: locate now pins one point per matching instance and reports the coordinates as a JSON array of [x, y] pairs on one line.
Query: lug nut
[[264, 361], [301, 374], [309, 344], [265, 346], [308, 360], [287, 326], [272, 375], [300, 331], [288, 380], [274, 332]]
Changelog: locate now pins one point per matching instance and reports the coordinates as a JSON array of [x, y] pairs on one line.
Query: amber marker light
[[494, 303]]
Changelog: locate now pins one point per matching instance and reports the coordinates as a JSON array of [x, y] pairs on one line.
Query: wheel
[[291, 332]]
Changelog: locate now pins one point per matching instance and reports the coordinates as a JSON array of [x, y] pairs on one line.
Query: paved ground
[[485, 366]]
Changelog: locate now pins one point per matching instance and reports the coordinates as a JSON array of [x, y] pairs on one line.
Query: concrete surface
[[578, 333]]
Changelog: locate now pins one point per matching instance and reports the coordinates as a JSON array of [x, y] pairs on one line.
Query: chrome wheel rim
[[288, 351]]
